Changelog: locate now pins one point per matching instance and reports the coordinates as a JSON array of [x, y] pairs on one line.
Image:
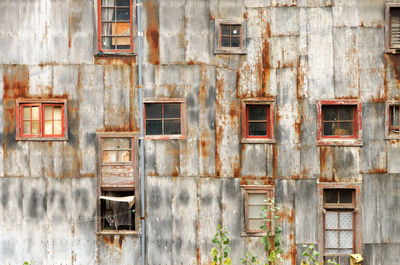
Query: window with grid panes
[[115, 26], [230, 35], [339, 223], [338, 120]]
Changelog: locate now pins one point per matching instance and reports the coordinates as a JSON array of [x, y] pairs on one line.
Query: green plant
[[28, 263], [272, 240], [221, 248], [312, 256], [250, 259]]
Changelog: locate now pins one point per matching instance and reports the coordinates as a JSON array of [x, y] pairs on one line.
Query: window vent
[[395, 29]]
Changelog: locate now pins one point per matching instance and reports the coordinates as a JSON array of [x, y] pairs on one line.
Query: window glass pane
[[154, 127], [110, 143], [331, 239], [225, 42], [235, 30], [346, 220], [345, 128], [123, 14], [255, 224], [331, 220], [258, 128], [123, 2], [235, 42], [346, 239], [394, 115], [257, 113], [225, 29], [346, 196], [255, 211], [106, 29], [107, 14], [48, 113], [57, 128], [48, 127], [329, 128], [172, 110], [124, 156], [27, 113], [35, 113], [331, 196], [57, 113], [27, 127], [330, 113], [123, 29], [107, 2], [257, 198], [331, 251], [172, 127], [124, 143], [153, 110], [346, 112], [106, 43], [35, 127], [109, 156], [345, 251]]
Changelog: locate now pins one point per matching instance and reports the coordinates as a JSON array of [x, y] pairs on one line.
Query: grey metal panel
[[258, 21], [1, 122], [229, 8], [345, 14], [119, 249], [347, 164], [40, 80], [372, 232], [285, 21], [254, 160], [159, 220], [150, 157], [320, 53], [306, 207], [374, 254], [393, 158], [345, 49], [167, 81], [371, 13], [167, 157], [373, 115], [257, 3], [373, 157], [303, 30], [283, 2], [327, 163], [283, 51], [65, 80]]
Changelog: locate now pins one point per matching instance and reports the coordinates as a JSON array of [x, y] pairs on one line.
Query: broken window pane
[[235, 30]]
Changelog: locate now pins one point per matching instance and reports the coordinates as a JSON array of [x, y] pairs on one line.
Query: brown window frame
[[269, 103], [218, 48], [354, 207], [389, 133], [269, 191], [107, 182], [163, 101], [41, 103], [345, 140], [131, 36], [388, 29]]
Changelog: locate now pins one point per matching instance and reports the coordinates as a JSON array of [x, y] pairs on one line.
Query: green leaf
[[226, 241]]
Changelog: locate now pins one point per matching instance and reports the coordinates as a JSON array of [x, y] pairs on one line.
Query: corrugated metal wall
[[297, 51]]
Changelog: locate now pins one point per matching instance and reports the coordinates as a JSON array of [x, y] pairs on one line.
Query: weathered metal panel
[[306, 205], [258, 23], [1, 122], [393, 158], [345, 49], [119, 249], [227, 141], [320, 53], [228, 8], [371, 13], [285, 21], [374, 254], [345, 13], [257, 3], [347, 164], [254, 160], [283, 2], [283, 51], [167, 81], [391, 73], [40, 80], [167, 157]]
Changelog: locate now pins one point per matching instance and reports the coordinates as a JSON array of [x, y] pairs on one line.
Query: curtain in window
[[107, 14]]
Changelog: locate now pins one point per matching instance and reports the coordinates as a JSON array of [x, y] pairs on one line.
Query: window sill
[[247, 234], [392, 137], [117, 232], [340, 142], [257, 141], [113, 54], [230, 51], [42, 138]]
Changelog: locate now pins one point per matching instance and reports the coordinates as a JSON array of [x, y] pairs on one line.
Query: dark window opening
[[394, 126], [230, 36], [395, 27], [257, 117], [163, 118], [117, 210], [338, 120]]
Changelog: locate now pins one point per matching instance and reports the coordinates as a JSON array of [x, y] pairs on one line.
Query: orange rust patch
[[274, 160], [120, 241], [115, 60], [109, 240], [377, 171], [152, 31], [266, 76], [211, 16]]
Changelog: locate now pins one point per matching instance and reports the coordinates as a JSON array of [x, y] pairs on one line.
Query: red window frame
[[230, 36], [163, 101], [41, 103], [389, 48], [354, 139], [391, 132], [264, 102], [269, 192], [100, 30]]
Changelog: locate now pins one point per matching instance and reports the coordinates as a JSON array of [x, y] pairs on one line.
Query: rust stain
[[238, 83], [115, 59], [377, 171], [109, 240], [219, 127], [133, 126], [152, 31], [274, 160], [120, 241], [212, 16], [190, 62], [266, 76]]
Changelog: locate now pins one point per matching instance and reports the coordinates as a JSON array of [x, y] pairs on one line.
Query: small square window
[[117, 182], [115, 26], [257, 121], [339, 122], [164, 118], [392, 29], [255, 200], [392, 124], [44, 119], [230, 36]]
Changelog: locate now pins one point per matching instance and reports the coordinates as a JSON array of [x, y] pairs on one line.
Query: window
[[255, 199], [339, 122], [44, 119], [117, 179], [115, 26], [392, 124], [392, 30], [340, 234], [257, 121], [230, 36], [164, 118]]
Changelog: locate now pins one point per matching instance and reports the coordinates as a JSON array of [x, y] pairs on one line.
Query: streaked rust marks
[[120, 241], [152, 31], [115, 60], [377, 171], [109, 240]]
